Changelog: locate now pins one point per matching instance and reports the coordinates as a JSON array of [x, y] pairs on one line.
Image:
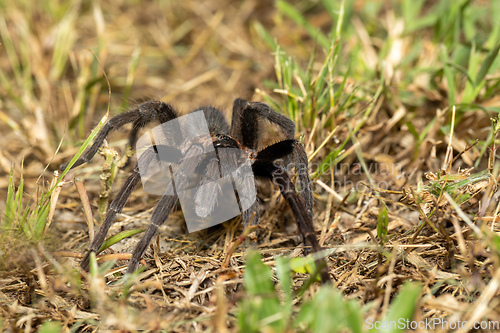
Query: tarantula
[[233, 144]]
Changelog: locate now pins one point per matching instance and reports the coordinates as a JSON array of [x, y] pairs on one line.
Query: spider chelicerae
[[236, 142]]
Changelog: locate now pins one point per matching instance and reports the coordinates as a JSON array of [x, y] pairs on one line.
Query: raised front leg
[[139, 116], [305, 224]]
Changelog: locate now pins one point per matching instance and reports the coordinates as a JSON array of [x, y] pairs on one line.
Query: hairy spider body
[[232, 143]]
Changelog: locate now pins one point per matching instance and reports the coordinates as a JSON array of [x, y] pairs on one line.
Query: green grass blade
[[265, 35], [19, 198], [10, 204], [10, 49], [65, 38], [82, 148], [411, 10], [383, 222], [300, 20], [449, 75], [330, 159], [132, 67], [426, 130], [472, 69], [486, 65], [119, 237], [41, 219]]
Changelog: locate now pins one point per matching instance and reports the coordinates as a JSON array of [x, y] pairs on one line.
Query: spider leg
[[276, 151], [238, 167], [244, 183], [302, 168], [184, 174], [247, 215], [248, 114], [285, 149], [236, 127], [117, 205], [162, 114], [140, 116], [159, 216], [115, 208], [280, 177], [217, 123], [245, 121]]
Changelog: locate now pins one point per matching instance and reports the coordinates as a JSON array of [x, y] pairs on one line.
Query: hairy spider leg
[[301, 164], [280, 177], [245, 122], [217, 123], [245, 129], [283, 149], [163, 113], [117, 205], [164, 207], [139, 116], [215, 119], [249, 114], [158, 217], [236, 127], [304, 220]]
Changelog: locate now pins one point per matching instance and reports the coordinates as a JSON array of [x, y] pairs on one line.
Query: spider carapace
[[242, 137]]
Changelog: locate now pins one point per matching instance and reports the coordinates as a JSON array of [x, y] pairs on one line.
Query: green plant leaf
[[50, 327], [383, 222], [486, 65], [119, 237], [403, 307], [261, 308], [283, 273]]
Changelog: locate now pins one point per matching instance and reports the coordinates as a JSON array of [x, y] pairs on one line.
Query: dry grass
[[384, 129]]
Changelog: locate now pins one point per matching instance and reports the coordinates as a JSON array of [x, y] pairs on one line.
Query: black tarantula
[[232, 143]]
